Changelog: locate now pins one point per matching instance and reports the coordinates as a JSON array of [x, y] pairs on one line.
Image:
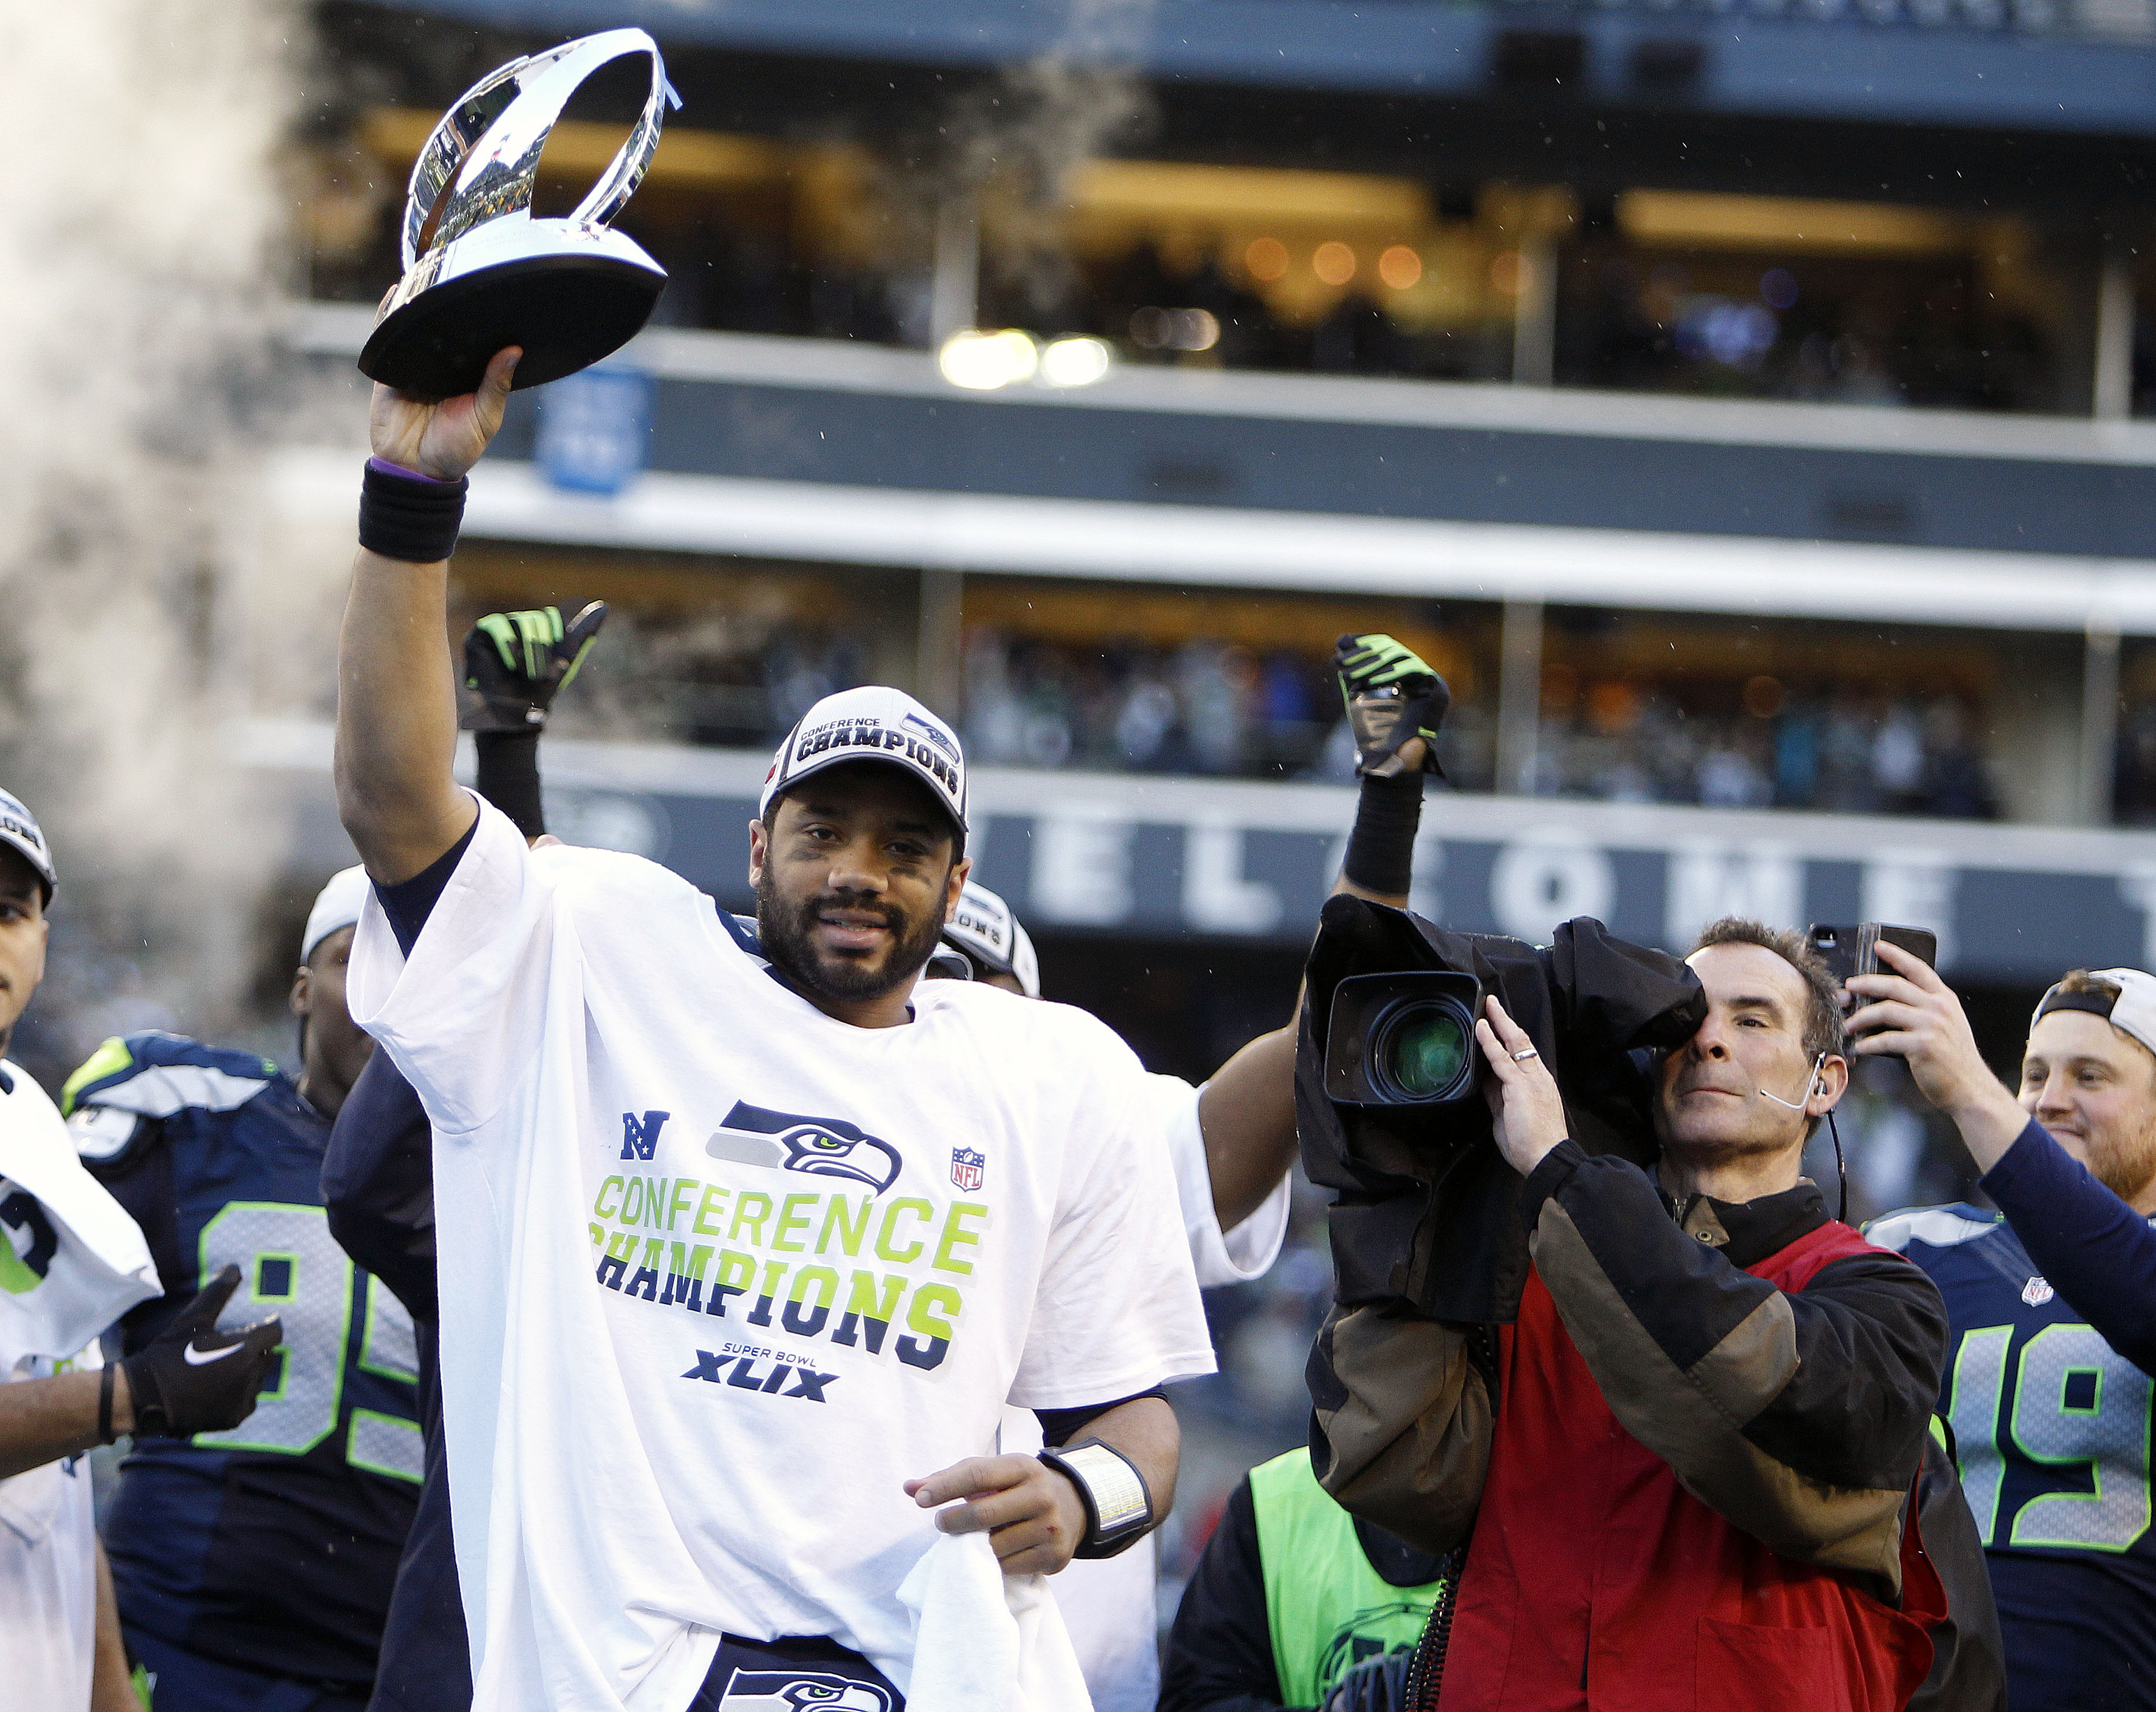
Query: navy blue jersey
[[274, 1547], [2052, 1426]]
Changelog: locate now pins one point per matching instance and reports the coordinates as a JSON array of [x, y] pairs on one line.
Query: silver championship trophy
[[481, 273]]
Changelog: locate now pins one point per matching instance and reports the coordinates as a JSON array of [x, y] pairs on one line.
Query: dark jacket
[[1219, 1653], [1698, 1438], [1790, 1406]]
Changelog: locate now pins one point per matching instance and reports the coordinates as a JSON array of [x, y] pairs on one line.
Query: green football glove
[[515, 664], [1392, 695]]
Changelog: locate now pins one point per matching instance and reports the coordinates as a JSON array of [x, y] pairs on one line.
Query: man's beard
[[2126, 1166], [787, 931]]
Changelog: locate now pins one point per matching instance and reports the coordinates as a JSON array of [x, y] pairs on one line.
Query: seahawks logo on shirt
[[793, 1141], [796, 1691]]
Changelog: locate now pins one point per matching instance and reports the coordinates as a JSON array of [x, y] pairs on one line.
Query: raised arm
[[1247, 1111], [397, 716], [1395, 706]]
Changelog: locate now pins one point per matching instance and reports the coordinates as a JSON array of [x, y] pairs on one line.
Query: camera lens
[[1422, 1049]]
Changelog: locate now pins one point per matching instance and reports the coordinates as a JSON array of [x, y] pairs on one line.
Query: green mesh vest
[[1326, 1609]]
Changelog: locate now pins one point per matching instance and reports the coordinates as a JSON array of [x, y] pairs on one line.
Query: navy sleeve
[[2094, 1250], [378, 1184], [409, 903], [1057, 1425]]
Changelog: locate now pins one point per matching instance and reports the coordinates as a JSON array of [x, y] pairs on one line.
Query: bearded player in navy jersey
[[254, 1567], [2052, 1301]]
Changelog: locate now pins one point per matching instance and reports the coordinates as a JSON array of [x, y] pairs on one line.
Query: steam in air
[[138, 240]]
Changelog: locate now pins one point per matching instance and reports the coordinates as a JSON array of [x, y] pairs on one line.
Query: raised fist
[[1393, 697], [441, 437], [515, 664]]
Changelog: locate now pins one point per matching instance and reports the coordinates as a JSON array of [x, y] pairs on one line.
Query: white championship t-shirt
[[718, 1272], [1108, 1604], [71, 1262]]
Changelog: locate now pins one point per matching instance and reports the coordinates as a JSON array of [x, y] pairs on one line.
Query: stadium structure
[[1742, 403]]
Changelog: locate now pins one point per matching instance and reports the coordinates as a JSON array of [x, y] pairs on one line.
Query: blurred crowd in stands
[[1918, 331], [1877, 335], [1624, 322], [718, 677], [1210, 707], [1204, 707], [1849, 747]]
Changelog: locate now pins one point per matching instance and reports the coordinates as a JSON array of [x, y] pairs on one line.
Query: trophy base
[[567, 312]]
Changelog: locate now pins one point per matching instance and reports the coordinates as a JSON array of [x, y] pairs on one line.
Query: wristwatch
[[1118, 1503]]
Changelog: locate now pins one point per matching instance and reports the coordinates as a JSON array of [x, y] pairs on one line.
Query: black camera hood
[[1426, 1208]]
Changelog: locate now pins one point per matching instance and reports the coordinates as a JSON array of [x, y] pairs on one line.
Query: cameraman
[[1687, 1463], [2052, 1301]]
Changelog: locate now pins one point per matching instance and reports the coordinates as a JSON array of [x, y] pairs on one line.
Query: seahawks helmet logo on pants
[[794, 1690]]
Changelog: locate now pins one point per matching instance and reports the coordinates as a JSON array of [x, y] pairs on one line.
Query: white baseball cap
[[2132, 1009], [983, 928], [873, 723], [337, 905], [20, 832]]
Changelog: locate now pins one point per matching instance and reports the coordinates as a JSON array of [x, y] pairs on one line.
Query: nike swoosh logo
[[198, 1358]]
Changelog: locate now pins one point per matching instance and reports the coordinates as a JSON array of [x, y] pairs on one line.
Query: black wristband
[[509, 777], [409, 517], [1381, 849], [104, 1404], [1118, 1502], [143, 1397]]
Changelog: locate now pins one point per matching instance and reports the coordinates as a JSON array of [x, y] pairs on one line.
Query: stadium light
[[1074, 362], [981, 362]]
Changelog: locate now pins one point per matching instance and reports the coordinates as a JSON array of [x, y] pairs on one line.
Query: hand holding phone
[[1905, 1011], [1848, 951]]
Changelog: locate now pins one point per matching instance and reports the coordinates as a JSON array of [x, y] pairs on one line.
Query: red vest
[[1596, 1583]]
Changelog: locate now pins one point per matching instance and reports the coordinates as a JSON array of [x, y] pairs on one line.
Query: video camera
[[1405, 1039], [1389, 1105]]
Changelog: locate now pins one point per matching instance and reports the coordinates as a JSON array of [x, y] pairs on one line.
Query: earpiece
[[1819, 1070]]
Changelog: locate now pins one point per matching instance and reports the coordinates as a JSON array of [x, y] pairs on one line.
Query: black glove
[[191, 1377], [1391, 695], [1379, 1685], [515, 663]]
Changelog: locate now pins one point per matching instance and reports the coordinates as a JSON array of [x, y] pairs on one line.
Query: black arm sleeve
[[409, 903], [1219, 1656], [378, 1185], [2094, 1250], [1736, 1384], [1057, 1425], [509, 778]]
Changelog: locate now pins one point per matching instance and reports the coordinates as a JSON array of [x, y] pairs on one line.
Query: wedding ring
[[1530, 1053]]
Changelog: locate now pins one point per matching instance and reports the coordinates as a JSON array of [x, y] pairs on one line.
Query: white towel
[[79, 1261], [983, 1640]]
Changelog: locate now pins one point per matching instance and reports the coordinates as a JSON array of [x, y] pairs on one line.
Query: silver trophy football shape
[[481, 273]]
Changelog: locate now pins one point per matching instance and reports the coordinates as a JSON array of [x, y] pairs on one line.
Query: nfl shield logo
[[967, 1168], [2037, 1292]]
